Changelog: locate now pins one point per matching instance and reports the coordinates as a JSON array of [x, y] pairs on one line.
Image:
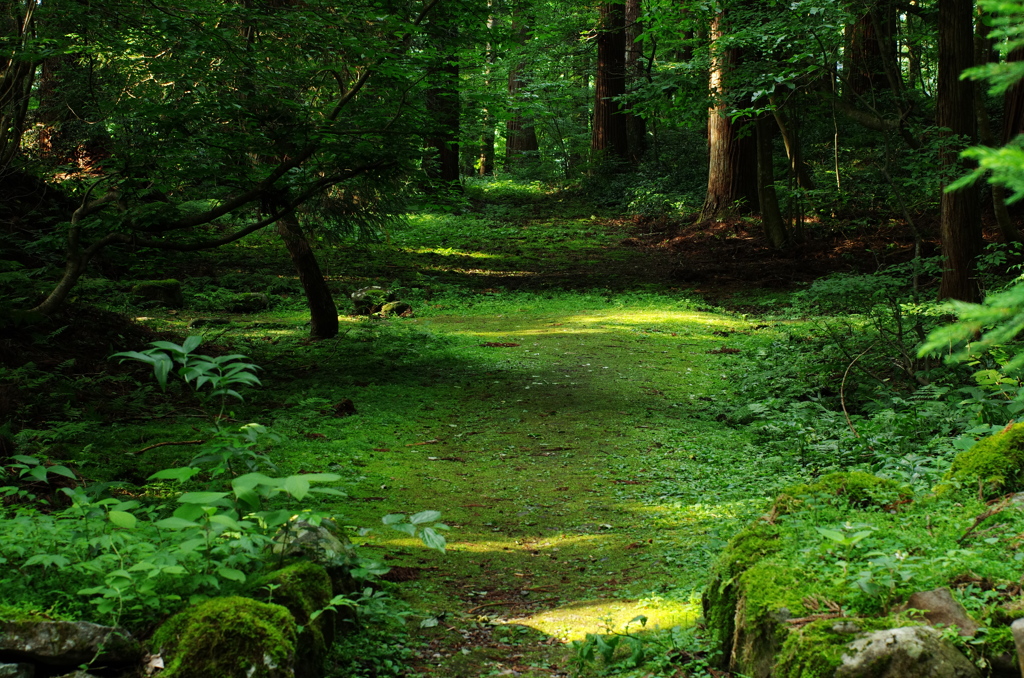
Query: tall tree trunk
[[871, 56], [520, 135], [732, 165], [771, 216], [636, 126], [960, 223], [16, 77], [983, 53], [443, 103], [323, 314], [610, 135]]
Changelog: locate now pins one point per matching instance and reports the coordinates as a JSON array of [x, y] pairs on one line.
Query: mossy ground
[[555, 395]]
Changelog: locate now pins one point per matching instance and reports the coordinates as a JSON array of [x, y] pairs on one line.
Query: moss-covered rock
[[721, 598], [163, 292], [994, 464], [305, 589], [231, 637], [816, 650], [854, 488]]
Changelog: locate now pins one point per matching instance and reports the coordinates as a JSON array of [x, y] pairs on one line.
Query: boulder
[[206, 322], [369, 300], [906, 652], [17, 671], [325, 545], [162, 292], [993, 467], [66, 644], [306, 590], [1017, 628], [940, 609], [230, 637]]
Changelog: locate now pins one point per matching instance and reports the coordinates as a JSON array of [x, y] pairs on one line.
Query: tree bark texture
[[636, 126], [732, 145], [871, 56], [610, 134], [520, 134], [960, 222], [16, 79], [323, 314], [984, 53], [443, 103]]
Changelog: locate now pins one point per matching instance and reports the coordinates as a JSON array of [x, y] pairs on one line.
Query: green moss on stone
[[757, 541], [995, 462], [229, 638], [816, 650], [853, 488], [304, 588], [166, 292]]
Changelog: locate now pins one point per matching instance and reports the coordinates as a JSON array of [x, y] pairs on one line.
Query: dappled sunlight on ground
[[576, 620]]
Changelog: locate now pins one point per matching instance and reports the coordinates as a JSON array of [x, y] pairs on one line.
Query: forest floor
[[558, 394]]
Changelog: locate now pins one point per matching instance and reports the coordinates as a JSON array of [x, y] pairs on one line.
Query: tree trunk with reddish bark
[[610, 136], [960, 223]]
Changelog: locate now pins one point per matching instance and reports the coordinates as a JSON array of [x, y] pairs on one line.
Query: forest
[[540, 338]]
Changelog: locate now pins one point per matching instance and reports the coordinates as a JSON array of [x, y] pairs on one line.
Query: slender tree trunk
[[794, 151], [636, 126], [610, 134], [771, 216], [732, 165], [983, 53], [323, 314], [960, 223], [520, 135], [16, 78], [443, 103]]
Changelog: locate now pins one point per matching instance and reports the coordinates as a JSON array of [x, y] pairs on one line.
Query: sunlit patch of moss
[[993, 466]]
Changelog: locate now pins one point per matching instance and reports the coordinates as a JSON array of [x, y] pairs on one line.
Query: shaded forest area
[[330, 217]]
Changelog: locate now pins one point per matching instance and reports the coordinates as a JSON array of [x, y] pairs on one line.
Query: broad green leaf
[[392, 518], [231, 574], [38, 473], [190, 512], [175, 523], [322, 477], [408, 528], [432, 539], [226, 521], [25, 459], [209, 498], [252, 480], [191, 343], [62, 471], [424, 517], [835, 536], [123, 519], [181, 474], [297, 486]]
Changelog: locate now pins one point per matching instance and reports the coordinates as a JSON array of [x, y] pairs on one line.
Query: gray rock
[[17, 671], [65, 643], [368, 300], [1017, 627], [907, 652], [941, 609]]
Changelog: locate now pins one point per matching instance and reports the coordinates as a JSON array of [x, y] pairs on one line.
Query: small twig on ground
[[842, 392], [179, 442]]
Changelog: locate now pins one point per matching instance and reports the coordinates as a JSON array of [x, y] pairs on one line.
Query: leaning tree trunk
[[16, 77], [610, 136], [960, 223], [323, 314], [771, 216]]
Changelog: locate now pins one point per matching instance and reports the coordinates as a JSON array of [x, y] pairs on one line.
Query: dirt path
[[577, 458]]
